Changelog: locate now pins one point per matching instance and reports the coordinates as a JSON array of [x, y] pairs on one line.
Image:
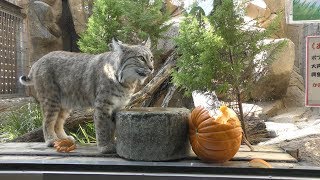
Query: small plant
[[18, 122], [218, 53], [85, 134]]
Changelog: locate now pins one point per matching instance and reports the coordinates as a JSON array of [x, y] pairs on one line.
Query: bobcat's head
[[136, 61]]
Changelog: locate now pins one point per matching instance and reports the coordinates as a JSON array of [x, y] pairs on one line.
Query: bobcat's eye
[[142, 58]]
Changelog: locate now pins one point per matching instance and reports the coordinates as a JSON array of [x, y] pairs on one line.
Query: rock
[[295, 96], [46, 17], [152, 134], [173, 7], [79, 15], [44, 32], [257, 9], [292, 115], [273, 85], [278, 7], [275, 5], [167, 44], [270, 109], [268, 21], [293, 133], [308, 149], [256, 129], [295, 32], [277, 128]]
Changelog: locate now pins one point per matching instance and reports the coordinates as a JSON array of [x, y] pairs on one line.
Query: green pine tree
[[130, 21], [217, 52]]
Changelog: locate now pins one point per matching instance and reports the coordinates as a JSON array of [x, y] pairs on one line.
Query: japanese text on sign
[[313, 71]]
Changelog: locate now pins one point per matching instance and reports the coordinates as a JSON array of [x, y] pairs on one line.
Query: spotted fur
[[65, 80]]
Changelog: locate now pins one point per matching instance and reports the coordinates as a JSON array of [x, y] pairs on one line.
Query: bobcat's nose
[[151, 69]]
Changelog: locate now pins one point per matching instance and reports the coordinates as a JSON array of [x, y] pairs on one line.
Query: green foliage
[[85, 134], [218, 51], [23, 120], [128, 20], [305, 10], [29, 117]]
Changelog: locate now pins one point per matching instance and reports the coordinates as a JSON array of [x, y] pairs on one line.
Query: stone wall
[[53, 25]]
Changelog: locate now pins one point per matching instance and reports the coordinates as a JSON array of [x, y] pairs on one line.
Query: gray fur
[[65, 80]]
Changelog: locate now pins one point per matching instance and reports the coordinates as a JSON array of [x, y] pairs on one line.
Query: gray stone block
[[152, 134]]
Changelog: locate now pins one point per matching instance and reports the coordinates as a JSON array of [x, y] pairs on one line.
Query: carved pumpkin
[[214, 140]]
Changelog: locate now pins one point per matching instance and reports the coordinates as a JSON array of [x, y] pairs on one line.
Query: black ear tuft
[[147, 43], [116, 46]]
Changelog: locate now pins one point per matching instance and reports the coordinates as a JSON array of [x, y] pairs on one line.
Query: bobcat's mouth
[[141, 73]]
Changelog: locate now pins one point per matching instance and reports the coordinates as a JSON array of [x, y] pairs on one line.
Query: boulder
[[274, 84], [167, 44], [46, 16], [257, 9], [45, 34], [307, 149], [275, 5], [292, 115], [278, 7], [79, 15], [271, 108], [173, 7], [267, 22], [295, 96], [152, 134]]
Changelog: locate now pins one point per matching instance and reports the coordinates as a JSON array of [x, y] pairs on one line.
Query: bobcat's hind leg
[[50, 113], [59, 126]]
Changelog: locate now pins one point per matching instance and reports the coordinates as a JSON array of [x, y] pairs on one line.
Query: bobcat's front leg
[[105, 128]]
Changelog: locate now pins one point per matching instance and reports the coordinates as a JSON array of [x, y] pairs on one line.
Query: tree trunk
[[172, 89], [154, 84]]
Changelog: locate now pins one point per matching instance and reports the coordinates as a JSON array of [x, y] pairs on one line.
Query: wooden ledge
[[88, 154]]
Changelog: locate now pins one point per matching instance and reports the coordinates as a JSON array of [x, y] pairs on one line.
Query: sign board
[[303, 11], [313, 71]]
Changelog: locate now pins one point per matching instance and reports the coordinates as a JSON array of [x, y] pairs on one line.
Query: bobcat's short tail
[[26, 81]]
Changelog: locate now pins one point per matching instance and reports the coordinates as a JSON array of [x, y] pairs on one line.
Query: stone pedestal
[[152, 134]]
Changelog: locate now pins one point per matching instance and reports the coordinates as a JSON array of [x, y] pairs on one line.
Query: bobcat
[[65, 80]]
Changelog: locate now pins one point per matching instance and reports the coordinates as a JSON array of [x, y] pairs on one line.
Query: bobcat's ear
[[115, 46], [147, 43]]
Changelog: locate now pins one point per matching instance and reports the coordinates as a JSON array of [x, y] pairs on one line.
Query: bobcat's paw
[[107, 149], [70, 138], [50, 142], [64, 137]]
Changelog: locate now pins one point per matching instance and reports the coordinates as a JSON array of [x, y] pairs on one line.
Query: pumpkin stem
[[223, 109]]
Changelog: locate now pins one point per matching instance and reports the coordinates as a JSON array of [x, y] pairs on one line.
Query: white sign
[[313, 71]]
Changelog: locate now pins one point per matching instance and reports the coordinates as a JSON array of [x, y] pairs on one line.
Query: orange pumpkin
[[211, 140]]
